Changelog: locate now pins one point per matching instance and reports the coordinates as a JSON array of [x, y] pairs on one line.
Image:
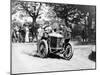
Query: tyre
[[68, 53], [43, 49]]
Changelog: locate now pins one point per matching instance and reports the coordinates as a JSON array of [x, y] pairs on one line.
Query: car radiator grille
[[53, 42]]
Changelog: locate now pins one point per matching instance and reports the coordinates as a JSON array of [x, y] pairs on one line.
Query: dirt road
[[24, 61]]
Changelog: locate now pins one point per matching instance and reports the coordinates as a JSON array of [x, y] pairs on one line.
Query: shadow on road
[[53, 56], [92, 56]]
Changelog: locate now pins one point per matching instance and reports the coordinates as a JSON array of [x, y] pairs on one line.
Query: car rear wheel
[[68, 53]]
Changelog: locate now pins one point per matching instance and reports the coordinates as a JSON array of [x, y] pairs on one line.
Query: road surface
[[25, 61]]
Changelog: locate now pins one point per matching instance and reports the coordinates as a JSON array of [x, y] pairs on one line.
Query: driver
[[67, 33], [44, 28]]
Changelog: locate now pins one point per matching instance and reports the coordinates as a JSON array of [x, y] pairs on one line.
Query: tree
[[69, 13], [32, 8]]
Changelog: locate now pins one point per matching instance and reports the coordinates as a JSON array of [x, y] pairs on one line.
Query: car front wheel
[[68, 52], [43, 49]]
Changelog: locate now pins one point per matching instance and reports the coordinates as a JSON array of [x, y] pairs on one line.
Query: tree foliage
[[73, 16]]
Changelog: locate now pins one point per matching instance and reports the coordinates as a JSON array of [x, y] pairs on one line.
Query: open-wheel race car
[[55, 43]]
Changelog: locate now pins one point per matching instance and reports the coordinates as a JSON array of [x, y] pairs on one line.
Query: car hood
[[55, 34]]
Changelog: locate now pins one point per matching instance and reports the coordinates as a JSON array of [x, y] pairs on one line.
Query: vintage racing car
[[54, 42]]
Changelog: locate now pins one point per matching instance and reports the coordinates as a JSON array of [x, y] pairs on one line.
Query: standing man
[[86, 30], [27, 32]]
